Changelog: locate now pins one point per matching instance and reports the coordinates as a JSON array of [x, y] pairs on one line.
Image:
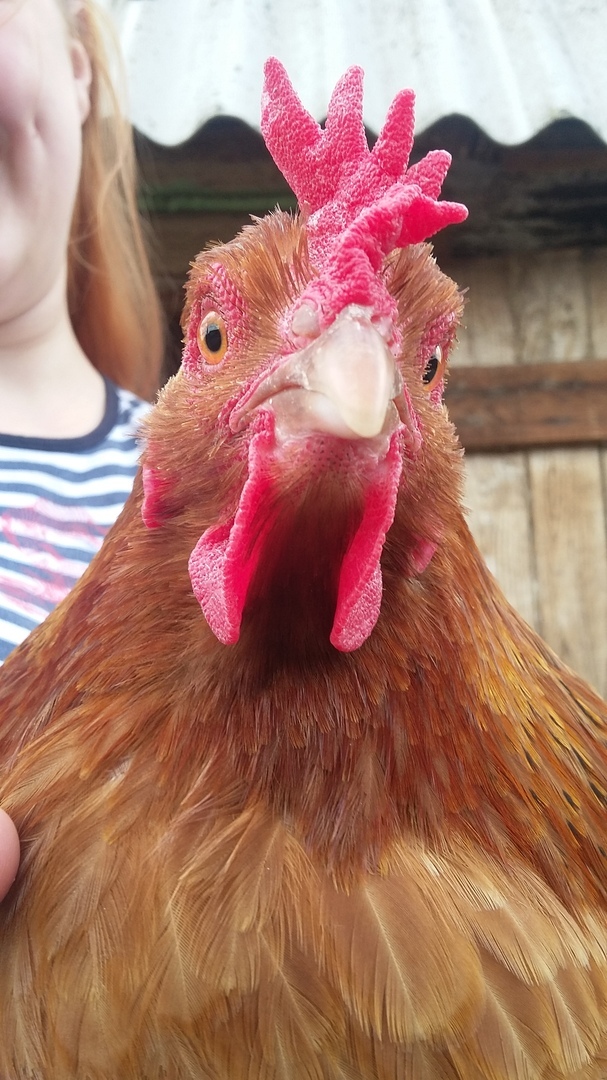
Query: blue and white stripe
[[58, 498]]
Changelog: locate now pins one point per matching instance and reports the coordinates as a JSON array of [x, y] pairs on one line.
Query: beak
[[343, 383]]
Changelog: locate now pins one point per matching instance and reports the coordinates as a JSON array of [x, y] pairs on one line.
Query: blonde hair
[[112, 299]]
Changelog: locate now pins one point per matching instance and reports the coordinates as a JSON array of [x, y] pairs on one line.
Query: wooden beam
[[529, 405]]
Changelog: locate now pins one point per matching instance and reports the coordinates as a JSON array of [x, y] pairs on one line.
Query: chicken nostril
[[305, 321]]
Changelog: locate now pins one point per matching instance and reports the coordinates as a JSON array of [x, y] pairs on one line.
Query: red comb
[[361, 203], [313, 161]]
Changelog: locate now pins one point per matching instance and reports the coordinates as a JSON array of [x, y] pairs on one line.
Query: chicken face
[[323, 356]]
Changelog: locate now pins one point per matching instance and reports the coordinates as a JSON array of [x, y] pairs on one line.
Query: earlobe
[[81, 67]]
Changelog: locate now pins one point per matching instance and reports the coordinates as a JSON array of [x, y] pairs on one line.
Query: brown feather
[[275, 861]]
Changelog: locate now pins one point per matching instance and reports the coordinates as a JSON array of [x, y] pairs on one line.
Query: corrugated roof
[[512, 66]]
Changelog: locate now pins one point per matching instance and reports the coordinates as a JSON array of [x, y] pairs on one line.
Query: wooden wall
[[540, 516]]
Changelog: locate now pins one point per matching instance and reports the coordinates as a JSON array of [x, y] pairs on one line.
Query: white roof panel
[[512, 66]]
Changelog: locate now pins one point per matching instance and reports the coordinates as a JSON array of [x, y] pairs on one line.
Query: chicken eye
[[212, 338], [434, 369]]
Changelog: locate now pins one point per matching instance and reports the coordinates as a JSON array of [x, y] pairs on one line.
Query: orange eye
[[434, 369], [212, 338]]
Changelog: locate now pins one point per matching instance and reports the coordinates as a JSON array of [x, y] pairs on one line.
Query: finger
[[9, 853]]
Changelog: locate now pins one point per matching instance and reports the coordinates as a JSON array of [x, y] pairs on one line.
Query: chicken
[[299, 794]]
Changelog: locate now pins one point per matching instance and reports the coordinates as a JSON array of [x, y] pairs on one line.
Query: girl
[[80, 324]]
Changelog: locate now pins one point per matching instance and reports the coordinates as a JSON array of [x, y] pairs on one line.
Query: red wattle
[[225, 558], [360, 583]]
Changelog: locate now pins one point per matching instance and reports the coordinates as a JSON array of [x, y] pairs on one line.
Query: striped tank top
[[58, 498]]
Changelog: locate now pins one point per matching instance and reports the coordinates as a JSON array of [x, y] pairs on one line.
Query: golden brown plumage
[[274, 859]]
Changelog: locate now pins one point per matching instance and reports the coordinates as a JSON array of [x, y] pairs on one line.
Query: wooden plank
[[596, 268], [567, 305], [566, 489], [488, 332], [497, 498], [521, 406], [177, 239], [571, 558], [540, 516], [597, 296], [496, 492], [549, 305]]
